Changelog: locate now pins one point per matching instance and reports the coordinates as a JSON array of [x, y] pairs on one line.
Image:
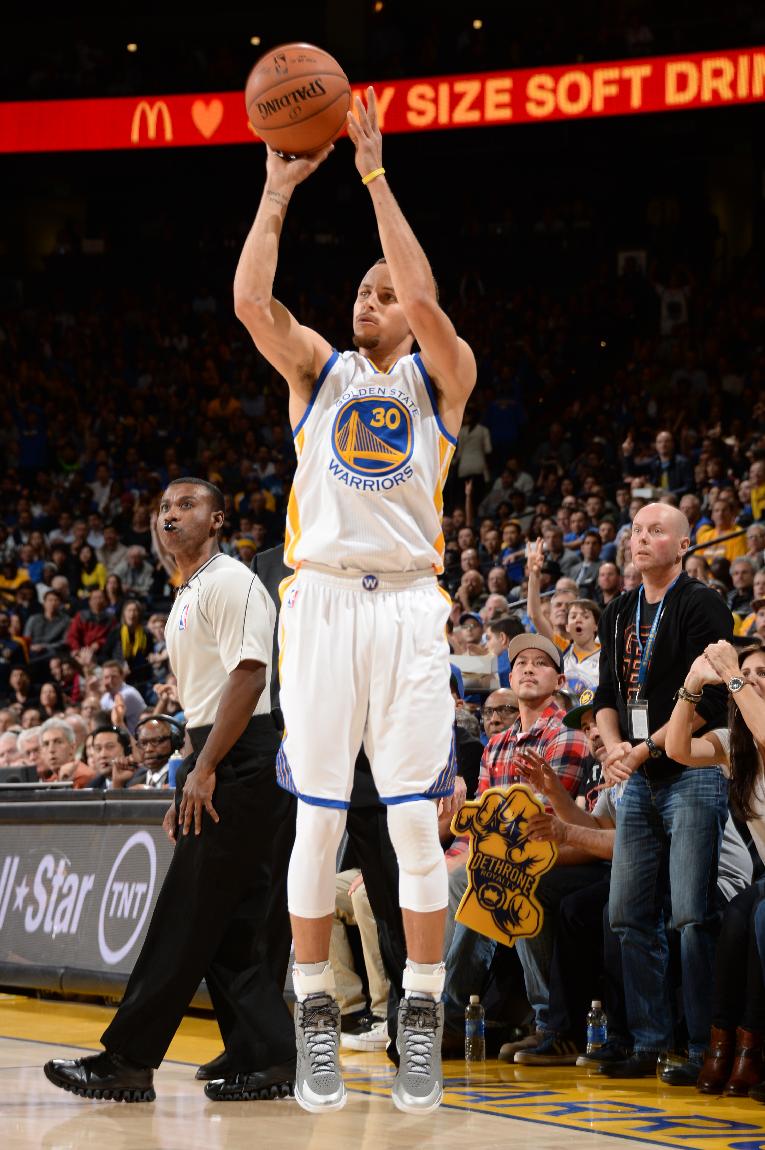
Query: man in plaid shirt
[[536, 673]]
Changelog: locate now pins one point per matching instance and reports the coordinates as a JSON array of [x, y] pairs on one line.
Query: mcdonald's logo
[[151, 113]]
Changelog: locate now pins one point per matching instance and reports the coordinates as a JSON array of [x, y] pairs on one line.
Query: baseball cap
[[574, 717], [536, 643], [470, 615]]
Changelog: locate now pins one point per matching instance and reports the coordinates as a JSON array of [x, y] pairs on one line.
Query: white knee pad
[[311, 875], [423, 879]]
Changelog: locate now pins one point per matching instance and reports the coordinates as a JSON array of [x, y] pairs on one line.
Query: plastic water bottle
[[173, 763], [475, 1040], [597, 1027]]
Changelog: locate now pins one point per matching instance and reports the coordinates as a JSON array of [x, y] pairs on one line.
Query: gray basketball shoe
[[318, 1085], [419, 1086]]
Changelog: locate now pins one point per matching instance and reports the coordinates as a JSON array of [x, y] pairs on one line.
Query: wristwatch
[[653, 750], [736, 683]]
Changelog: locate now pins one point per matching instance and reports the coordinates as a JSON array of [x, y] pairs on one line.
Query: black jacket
[[693, 617], [680, 474]]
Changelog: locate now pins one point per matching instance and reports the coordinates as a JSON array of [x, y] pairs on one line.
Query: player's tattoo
[[277, 198]]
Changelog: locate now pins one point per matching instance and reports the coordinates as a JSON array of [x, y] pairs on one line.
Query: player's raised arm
[[448, 358], [297, 352]]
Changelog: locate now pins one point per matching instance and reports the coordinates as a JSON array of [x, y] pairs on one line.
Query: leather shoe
[[107, 1076], [215, 1068], [684, 1074], [748, 1068], [636, 1066], [719, 1061], [273, 1082]]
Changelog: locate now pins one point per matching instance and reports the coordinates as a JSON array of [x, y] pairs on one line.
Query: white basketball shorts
[[364, 659]]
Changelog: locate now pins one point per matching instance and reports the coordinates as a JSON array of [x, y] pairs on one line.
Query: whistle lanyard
[[647, 651]]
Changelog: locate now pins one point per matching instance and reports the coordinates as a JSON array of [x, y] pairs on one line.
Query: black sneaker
[[352, 1022], [104, 1076], [273, 1082], [215, 1068], [611, 1051], [636, 1066], [552, 1051]]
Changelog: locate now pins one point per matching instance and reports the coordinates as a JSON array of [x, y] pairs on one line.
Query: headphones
[[177, 729], [120, 732]]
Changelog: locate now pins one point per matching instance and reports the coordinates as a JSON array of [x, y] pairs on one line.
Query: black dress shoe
[[273, 1082], [636, 1066], [757, 1093], [216, 1068], [684, 1074], [105, 1075]]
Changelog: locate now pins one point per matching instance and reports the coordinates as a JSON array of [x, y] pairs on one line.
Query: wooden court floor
[[500, 1106]]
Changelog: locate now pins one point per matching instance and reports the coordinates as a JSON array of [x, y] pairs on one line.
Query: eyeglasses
[[501, 712], [154, 742]]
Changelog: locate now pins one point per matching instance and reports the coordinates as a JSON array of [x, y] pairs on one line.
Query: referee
[[215, 914]]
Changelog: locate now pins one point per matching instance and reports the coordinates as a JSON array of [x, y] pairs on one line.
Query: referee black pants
[[221, 915]]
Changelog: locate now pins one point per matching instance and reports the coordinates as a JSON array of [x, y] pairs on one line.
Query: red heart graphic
[[207, 117]]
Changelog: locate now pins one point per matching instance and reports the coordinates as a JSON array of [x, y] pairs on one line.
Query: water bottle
[[597, 1027], [475, 1041], [173, 763]]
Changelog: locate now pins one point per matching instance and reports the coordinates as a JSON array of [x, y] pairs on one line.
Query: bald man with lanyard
[[670, 819]]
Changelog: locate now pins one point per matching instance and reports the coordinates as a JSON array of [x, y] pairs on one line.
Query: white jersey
[[221, 617], [582, 671], [373, 456]]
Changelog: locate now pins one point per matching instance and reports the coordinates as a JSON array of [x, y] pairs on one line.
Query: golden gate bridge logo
[[373, 436]]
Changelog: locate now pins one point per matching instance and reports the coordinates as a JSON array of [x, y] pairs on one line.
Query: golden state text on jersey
[[373, 456]]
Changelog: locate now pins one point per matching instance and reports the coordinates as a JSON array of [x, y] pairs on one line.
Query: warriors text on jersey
[[373, 456]]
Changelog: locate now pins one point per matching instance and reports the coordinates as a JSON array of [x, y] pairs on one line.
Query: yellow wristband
[[367, 179]]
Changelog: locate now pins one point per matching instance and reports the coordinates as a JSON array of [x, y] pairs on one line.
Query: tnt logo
[[183, 621], [127, 897], [370, 582]]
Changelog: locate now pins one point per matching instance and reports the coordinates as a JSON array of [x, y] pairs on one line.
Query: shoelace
[[419, 1024], [319, 1026]]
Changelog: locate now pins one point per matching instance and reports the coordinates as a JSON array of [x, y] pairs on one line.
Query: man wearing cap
[[536, 673], [472, 632]]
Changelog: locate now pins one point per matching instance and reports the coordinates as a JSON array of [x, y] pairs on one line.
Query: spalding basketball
[[297, 98]]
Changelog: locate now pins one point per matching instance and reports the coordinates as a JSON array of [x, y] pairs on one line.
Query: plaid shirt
[[566, 750]]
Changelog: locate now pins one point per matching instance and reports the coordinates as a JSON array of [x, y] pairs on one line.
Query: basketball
[[297, 97]]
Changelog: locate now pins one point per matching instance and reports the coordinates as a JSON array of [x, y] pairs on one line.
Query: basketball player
[[363, 649], [215, 915]]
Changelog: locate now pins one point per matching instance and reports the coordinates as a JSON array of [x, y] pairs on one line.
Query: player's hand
[[284, 175], [170, 822], [197, 796], [365, 134]]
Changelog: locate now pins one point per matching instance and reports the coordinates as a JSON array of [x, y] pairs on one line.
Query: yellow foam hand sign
[[504, 866]]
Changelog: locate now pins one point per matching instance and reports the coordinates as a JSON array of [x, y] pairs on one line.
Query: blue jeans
[[668, 838], [468, 962]]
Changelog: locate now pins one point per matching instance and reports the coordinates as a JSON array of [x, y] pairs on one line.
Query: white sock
[[312, 978], [424, 978]]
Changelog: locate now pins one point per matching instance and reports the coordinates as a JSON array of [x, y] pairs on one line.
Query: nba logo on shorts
[[292, 595], [370, 582], [183, 621]]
